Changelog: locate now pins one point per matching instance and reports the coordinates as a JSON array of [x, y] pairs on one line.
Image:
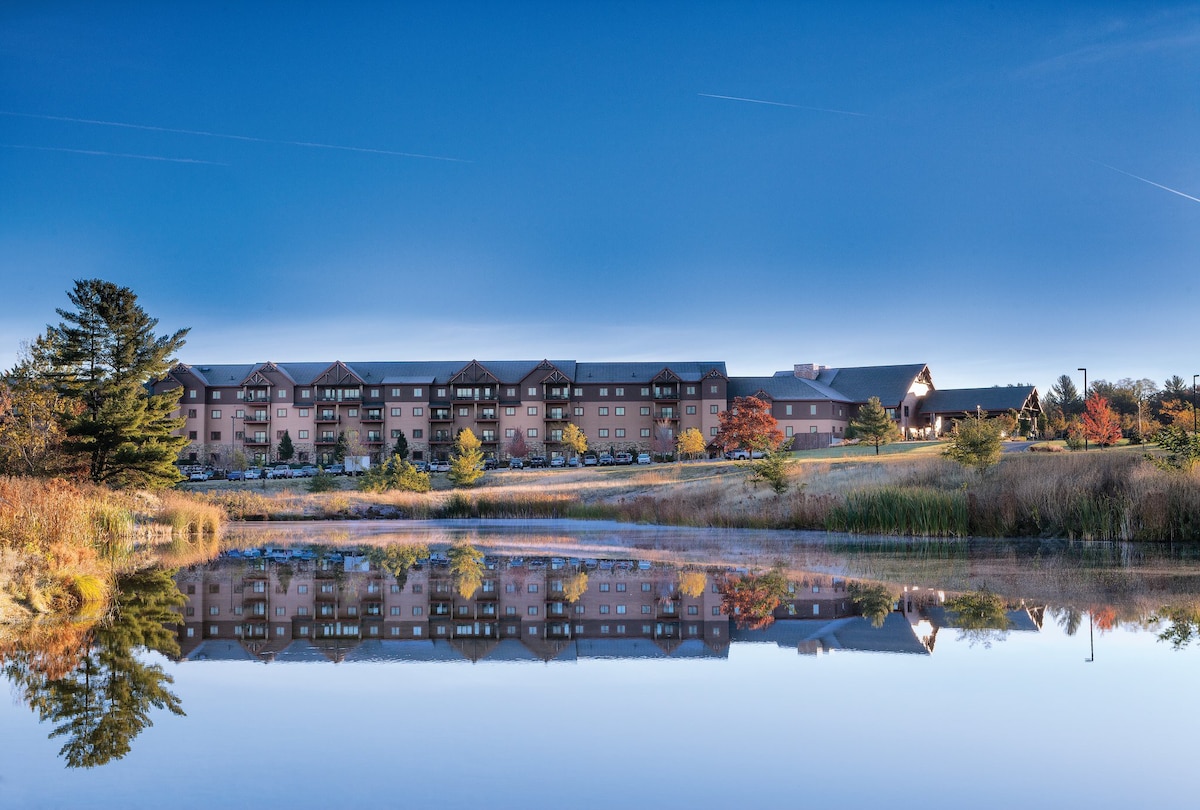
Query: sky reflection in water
[[1024, 719]]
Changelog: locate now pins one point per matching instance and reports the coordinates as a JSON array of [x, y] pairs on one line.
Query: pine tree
[[286, 448], [401, 447], [874, 426], [466, 467], [104, 353]]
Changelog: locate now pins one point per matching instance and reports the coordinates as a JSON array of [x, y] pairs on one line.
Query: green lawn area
[[858, 451]]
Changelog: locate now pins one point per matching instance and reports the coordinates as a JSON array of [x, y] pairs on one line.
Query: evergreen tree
[[401, 447], [874, 426], [286, 448], [975, 442], [340, 448], [466, 467], [103, 354]]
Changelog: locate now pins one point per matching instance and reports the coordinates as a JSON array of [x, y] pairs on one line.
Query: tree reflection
[[979, 616], [874, 602], [103, 702], [397, 558], [1183, 624]]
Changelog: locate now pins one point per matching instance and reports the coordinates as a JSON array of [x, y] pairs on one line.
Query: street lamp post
[[1085, 439]]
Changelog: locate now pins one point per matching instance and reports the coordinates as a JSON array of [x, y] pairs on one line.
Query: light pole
[[1085, 439], [1194, 378]]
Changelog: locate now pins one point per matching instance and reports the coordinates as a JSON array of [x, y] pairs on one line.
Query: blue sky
[[962, 185]]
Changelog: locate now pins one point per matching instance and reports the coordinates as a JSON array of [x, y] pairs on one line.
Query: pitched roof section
[[223, 375], [889, 383], [784, 388], [965, 400], [642, 372]]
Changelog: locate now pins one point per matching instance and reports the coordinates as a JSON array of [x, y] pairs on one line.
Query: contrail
[[110, 154], [782, 104], [1151, 182], [251, 139]]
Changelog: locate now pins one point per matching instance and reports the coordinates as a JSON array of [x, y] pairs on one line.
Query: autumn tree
[[103, 354], [574, 439], [874, 426], [466, 466], [575, 586], [517, 447], [692, 583], [32, 418], [975, 442], [663, 443], [748, 425], [466, 564], [690, 444], [1100, 424], [751, 599]]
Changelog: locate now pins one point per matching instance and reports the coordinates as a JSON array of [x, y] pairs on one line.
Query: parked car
[[537, 461], [198, 476], [336, 469], [606, 460], [421, 466], [441, 466], [307, 471], [280, 471], [573, 461], [737, 455], [643, 458], [490, 464], [589, 460], [516, 464], [558, 461], [252, 473], [235, 475], [624, 458]]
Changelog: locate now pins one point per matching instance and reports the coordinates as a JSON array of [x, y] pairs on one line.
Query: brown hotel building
[[621, 407]]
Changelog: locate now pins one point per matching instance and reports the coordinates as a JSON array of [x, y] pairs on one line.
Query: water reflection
[[88, 681]]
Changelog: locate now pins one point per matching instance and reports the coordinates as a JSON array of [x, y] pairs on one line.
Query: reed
[[916, 511], [189, 515]]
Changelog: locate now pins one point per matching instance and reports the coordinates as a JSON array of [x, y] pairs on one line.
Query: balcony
[[257, 440], [488, 437], [372, 416], [478, 395], [327, 417], [374, 438], [666, 393], [668, 414], [441, 415], [486, 416], [557, 395], [258, 417], [556, 415], [325, 438], [340, 396], [442, 436], [256, 396]]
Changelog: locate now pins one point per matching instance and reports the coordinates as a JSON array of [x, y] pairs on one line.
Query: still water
[[597, 666]]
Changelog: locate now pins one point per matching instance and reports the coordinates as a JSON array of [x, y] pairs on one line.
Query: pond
[[593, 665]]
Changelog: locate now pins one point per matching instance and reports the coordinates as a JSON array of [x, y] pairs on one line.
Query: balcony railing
[[666, 393], [257, 417], [486, 416], [328, 416], [373, 416], [667, 414], [441, 416], [259, 440]]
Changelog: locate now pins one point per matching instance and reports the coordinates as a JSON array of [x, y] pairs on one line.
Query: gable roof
[[643, 372], [889, 383], [783, 388], [964, 400]]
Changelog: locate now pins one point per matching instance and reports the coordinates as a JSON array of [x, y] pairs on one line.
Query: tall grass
[[188, 515], [919, 511]]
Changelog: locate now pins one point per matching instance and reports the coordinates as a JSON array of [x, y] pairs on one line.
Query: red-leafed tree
[[751, 599], [748, 425], [517, 448], [1100, 422]]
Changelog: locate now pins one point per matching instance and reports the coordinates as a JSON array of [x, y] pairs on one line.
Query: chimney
[[808, 371]]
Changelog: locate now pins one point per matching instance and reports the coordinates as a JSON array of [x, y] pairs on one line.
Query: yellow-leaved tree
[[690, 444], [466, 467], [575, 439]]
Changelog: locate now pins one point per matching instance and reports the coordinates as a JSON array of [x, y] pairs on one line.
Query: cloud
[[226, 136]]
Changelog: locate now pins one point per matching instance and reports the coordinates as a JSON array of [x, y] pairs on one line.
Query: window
[[532, 391], [618, 411], [510, 411], [787, 431], [691, 409], [421, 589], [417, 392], [463, 411], [603, 433], [214, 588], [532, 433], [302, 589], [305, 393], [395, 587], [604, 586], [645, 392], [716, 611], [603, 392], [620, 392], [714, 409], [603, 411], [812, 428], [620, 609], [531, 410], [214, 436], [693, 610], [238, 414], [418, 610], [191, 393], [510, 587], [214, 611], [691, 389], [645, 410], [533, 610], [375, 393], [620, 587], [352, 412], [579, 610], [620, 433], [216, 395], [578, 411], [281, 412], [304, 411], [533, 587], [604, 610], [712, 389], [787, 410], [280, 611], [396, 434], [191, 413], [216, 414], [578, 392], [418, 411], [396, 412], [812, 410], [283, 393], [395, 392], [418, 433], [905, 411], [712, 431], [441, 393], [394, 610], [645, 609], [510, 432]]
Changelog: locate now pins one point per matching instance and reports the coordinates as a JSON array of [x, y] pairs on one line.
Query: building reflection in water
[[344, 607]]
